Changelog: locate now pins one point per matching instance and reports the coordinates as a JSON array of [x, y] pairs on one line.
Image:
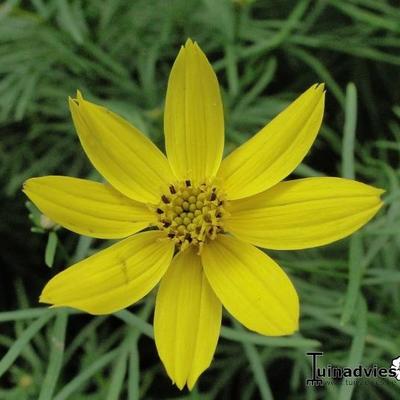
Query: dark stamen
[[165, 199], [166, 224], [172, 189], [188, 183], [171, 235], [159, 211], [213, 196], [218, 215]]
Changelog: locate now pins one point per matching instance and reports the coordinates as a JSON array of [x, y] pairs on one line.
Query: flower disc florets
[[191, 214]]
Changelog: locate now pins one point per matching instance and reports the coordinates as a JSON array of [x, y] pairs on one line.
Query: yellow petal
[[114, 278], [187, 320], [120, 152], [251, 286], [275, 151], [88, 208], [193, 118], [303, 213]]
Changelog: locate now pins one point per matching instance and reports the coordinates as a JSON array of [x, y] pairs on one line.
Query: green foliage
[[119, 53]]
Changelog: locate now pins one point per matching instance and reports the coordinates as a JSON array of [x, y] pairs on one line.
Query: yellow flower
[[206, 215]]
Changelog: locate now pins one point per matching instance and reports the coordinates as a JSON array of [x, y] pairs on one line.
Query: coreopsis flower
[[200, 218]]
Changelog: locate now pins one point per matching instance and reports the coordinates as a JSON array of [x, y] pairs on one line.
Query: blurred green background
[[119, 53]]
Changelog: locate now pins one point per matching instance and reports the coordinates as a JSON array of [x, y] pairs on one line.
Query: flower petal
[[187, 320], [275, 151], [251, 286], [120, 152], [88, 208], [303, 213], [114, 278], [193, 119]]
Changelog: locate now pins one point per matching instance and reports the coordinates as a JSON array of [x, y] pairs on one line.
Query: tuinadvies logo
[[327, 374]]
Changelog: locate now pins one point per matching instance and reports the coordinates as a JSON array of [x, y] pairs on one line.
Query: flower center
[[191, 215]]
